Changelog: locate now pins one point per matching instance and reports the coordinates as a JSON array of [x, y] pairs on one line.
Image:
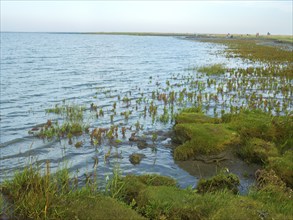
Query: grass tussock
[[56, 196], [71, 124], [202, 139], [222, 181], [283, 165], [258, 151]]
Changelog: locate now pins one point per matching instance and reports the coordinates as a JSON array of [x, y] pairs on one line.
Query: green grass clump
[[215, 69], [258, 151], [132, 185], [200, 134], [55, 196], [253, 124], [166, 201], [71, 125], [283, 166], [202, 139], [172, 203], [89, 206], [273, 192], [67, 129], [262, 125], [222, 181]]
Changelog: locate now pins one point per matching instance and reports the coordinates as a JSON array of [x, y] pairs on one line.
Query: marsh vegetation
[[211, 110]]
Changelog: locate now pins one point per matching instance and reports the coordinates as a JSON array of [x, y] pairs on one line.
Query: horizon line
[[138, 33]]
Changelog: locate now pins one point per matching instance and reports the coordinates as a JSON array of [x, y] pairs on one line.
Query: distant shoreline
[[288, 39], [142, 33]]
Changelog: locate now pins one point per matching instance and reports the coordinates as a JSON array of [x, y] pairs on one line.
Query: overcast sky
[[148, 16]]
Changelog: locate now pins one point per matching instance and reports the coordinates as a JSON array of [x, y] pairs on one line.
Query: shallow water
[[40, 70]]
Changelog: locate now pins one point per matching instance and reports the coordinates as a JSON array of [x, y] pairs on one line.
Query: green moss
[[258, 151], [222, 181], [283, 166], [202, 139]]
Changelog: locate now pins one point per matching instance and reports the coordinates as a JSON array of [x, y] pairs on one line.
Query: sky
[[242, 17]]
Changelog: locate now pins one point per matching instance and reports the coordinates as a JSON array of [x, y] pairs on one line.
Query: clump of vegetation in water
[[65, 130], [71, 125], [70, 112], [135, 158], [215, 69], [222, 181], [165, 116], [78, 144]]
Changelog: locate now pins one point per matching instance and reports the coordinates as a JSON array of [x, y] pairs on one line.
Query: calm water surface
[[40, 70]]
